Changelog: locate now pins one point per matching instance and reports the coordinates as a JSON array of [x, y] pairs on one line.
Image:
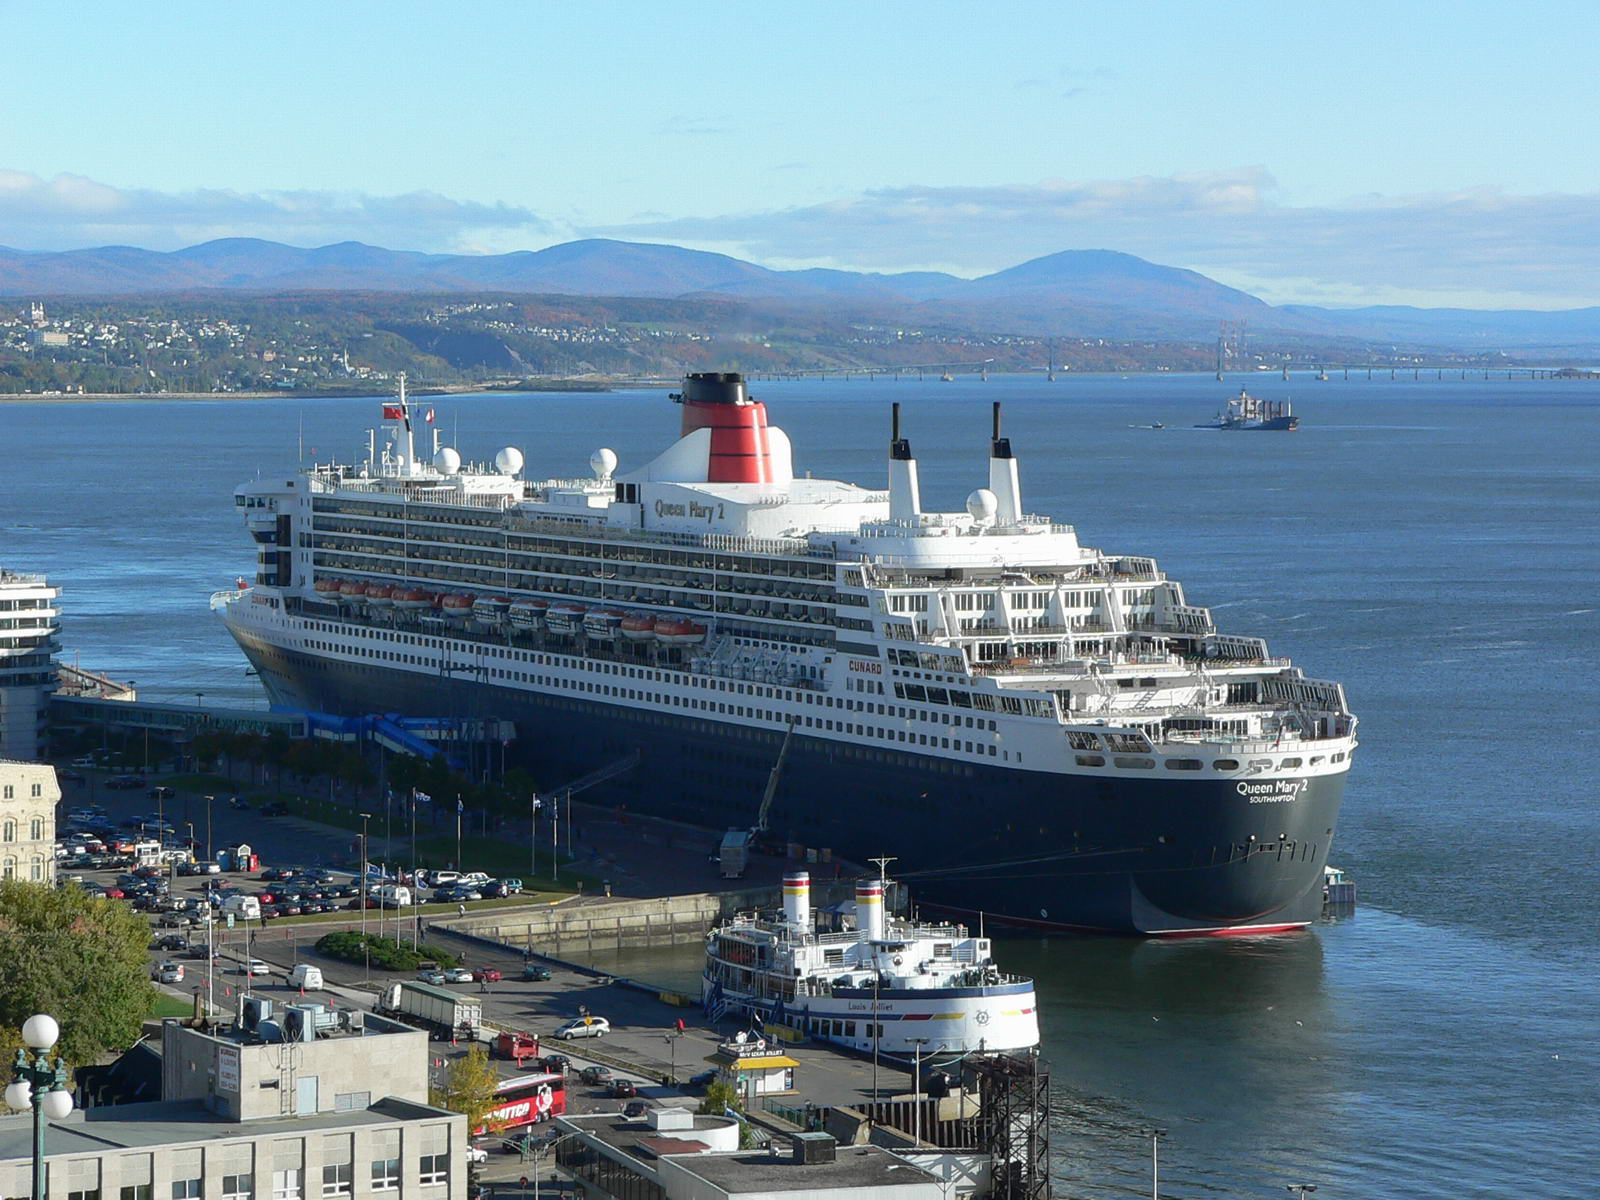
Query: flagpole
[[458, 831]]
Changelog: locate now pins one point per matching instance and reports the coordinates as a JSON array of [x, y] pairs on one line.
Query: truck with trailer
[[447, 1014]]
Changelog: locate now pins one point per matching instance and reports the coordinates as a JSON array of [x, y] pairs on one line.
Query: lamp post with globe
[[40, 1084]]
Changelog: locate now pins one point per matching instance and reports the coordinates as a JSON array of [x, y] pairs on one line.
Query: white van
[[392, 895], [248, 907], [473, 879], [306, 977], [443, 878]]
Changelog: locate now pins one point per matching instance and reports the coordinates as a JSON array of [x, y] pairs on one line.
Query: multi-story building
[[304, 1102], [28, 616], [28, 797]]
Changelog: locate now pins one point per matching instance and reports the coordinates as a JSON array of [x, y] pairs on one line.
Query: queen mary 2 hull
[[1031, 848]]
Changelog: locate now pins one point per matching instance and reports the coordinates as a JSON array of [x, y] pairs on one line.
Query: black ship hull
[[1031, 848]]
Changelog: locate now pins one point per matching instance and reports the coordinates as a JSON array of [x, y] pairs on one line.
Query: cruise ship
[[1046, 733], [899, 987]]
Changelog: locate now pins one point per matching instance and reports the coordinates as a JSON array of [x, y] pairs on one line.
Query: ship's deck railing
[[894, 931], [22, 577]]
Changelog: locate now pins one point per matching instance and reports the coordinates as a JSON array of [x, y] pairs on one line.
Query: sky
[[1339, 153]]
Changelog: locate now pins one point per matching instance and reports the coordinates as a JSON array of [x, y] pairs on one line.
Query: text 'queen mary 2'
[[1041, 731]]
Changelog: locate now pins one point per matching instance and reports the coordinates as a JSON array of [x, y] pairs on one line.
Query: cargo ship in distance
[[1045, 733], [1244, 411]]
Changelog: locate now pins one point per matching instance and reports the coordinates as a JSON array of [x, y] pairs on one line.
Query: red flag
[[393, 412], [429, 417]]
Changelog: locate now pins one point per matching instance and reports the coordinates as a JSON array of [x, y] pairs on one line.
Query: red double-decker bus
[[529, 1099]]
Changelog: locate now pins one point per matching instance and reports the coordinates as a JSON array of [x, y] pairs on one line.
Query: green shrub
[[351, 946]]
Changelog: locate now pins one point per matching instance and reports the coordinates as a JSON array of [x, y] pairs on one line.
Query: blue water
[[1430, 544]]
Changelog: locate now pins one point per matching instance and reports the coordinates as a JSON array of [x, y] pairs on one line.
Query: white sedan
[[170, 972], [255, 966]]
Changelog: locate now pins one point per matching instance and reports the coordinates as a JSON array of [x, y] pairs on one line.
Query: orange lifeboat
[[353, 591], [673, 632], [412, 599], [639, 628], [457, 606], [380, 595], [328, 589]]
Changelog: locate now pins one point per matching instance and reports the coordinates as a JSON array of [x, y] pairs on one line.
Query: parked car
[[702, 1081], [457, 975], [172, 920], [172, 941], [533, 973], [433, 976], [556, 1064], [635, 1109], [595, 1075], [66, 775], [494, 889], [582, 1027], [273, 874], [512, 885], [125, 783], [487, 975], [169, 972], [624, 1089]]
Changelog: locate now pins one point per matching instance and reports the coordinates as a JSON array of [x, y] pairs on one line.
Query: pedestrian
[[461, 910]]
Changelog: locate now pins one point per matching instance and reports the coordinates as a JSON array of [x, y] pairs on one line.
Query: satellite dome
[[446, 461], [508, 461], [983, 504], [603, 462]]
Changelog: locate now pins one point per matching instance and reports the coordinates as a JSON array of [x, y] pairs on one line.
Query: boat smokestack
[[797, 899], [1003, 479], [869, 910], [740, 450], [905, 493]]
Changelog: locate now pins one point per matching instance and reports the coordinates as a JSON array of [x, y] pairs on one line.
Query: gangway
[[584, 782]]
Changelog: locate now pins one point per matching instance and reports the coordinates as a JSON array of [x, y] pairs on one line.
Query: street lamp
[[1155, 1161], [40, 1085], [209, 856], [1301, 1188], [672, 1043], [362, 865]]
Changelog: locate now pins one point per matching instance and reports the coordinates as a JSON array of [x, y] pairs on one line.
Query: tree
[[469, 1088], [80, 959]]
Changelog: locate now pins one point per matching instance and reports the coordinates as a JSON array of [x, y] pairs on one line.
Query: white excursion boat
[[901, 987]]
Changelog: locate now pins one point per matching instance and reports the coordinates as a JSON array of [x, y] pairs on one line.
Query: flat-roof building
[[673, 1154], [296, 1102]]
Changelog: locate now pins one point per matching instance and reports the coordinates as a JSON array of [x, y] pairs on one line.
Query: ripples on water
[[1431, 545]]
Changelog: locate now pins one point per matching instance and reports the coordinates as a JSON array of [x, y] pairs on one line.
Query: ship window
[[1134, 764], [1226, 764], [1290, 762], [1091, 760], [1339, 757], [1184, 764]]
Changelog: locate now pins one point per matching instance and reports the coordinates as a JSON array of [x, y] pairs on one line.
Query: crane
[[736, 843]]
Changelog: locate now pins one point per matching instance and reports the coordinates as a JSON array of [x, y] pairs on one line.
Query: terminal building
[[286, 1102], [28, 627]]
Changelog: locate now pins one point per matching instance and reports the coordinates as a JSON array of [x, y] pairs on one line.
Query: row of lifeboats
[[523, 616]]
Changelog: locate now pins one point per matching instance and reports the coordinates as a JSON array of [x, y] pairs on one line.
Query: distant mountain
[[1075, 293]]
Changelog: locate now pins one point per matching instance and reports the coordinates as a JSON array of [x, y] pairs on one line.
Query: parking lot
[[644, 1029]]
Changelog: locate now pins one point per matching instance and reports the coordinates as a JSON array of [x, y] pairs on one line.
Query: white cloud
[[1475, 247], [71, 211]]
